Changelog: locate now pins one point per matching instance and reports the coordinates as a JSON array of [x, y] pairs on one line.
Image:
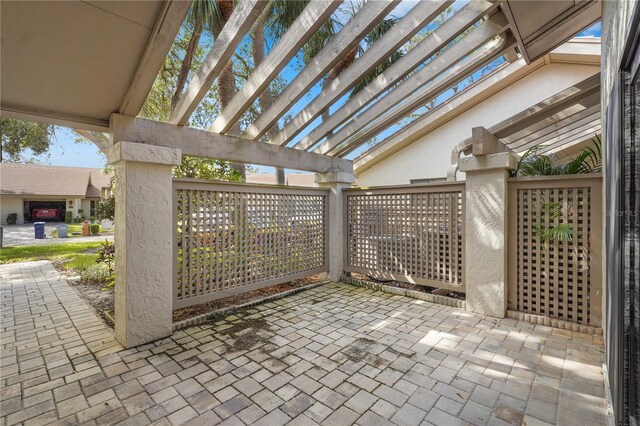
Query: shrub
[[95, 229], [12, 218], [107, 209], [68, 217], [77, 219], [107, 254], [96, 273]]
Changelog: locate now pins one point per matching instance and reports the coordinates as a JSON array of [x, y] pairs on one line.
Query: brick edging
[[555, 323], [200, 319], [433, 298]]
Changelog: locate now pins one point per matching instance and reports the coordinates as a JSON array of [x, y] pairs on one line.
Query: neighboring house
[[293, 179], [422, 151], [24, 187]]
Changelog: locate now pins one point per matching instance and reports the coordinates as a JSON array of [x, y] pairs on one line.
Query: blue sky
[[66, 152]]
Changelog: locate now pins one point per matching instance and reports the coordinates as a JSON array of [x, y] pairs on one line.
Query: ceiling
[[74, 62]]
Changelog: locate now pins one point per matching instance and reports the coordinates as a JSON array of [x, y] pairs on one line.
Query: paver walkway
[[335, 355]]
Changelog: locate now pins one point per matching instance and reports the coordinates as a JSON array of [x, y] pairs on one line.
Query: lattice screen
[[549, 275], [407, 234], [235, 238]]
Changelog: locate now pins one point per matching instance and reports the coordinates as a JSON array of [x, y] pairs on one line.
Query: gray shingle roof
[[44, 180]]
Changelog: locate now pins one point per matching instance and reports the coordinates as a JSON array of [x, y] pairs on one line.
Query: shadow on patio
[[336, 355]]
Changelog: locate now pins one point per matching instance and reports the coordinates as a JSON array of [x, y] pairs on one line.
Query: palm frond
[[208, 12], [534, 163]]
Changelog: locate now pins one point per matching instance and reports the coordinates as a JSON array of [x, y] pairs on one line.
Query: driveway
[[333, 355], [23, 235]]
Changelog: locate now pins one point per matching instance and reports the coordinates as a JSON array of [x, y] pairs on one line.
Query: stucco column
[[336, 182], [486, 232], [143, 241]]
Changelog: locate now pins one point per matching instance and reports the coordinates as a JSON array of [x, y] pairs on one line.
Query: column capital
[[502, 160], [334, 177], [143, 153]]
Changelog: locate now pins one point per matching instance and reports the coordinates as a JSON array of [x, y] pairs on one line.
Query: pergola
[[91, 65]]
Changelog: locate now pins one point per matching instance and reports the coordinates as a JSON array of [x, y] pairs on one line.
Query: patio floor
[[335, 355]]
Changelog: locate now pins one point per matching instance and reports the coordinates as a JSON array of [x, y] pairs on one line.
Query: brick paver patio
[[334, 355]]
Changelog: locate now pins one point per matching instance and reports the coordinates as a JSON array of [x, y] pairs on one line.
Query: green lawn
[[79, 258], [75, 228], [51, 252]]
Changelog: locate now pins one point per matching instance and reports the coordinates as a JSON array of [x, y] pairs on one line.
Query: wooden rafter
[[418, 89], [241, 20], [427, 47], [311, 18], [347, 38], [423, 13]]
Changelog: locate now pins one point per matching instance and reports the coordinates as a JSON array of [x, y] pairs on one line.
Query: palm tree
[[535, 163], [204, 13], [283, 13]]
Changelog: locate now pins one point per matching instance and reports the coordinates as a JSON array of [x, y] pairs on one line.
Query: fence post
[[143, 240], [486, 267], [336, 182]]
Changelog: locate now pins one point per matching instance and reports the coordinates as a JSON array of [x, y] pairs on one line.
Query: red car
[[40, 213]]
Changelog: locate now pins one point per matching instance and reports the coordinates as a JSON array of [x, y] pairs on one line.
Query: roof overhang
[[541, 26], [77, 62]]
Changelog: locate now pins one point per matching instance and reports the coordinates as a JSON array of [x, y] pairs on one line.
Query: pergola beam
[[569, 123], [224, 46], [200, 143], [309, 21], [422, 13], [418, 89], [588, 134], [581, 133], [423, 125], [339, 45], [164, 33], [427, 47], [551, 114]]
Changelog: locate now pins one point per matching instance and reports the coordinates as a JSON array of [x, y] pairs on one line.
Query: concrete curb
[[433, 298]]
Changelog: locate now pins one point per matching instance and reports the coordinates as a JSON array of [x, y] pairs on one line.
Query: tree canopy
[[23, 141]]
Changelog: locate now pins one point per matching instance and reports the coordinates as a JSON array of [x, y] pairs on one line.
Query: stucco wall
[[430, 156], [11, 204], [616, 16]]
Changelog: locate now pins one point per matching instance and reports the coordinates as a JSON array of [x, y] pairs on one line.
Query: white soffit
[[73, 62]]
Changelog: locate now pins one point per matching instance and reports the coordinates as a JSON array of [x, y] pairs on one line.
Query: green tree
[[184, 56], [278, 18], [19, 138]]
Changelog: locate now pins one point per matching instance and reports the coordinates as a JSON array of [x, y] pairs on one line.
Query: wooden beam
[[573, 139], [339, 45], [571, 121], [164, 33], [422, 13], [200, 143], [309, 21], [449, 110], [467, 99], [224, 46], [569, 133], [546, 114], [430, 45], [416, 90]]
